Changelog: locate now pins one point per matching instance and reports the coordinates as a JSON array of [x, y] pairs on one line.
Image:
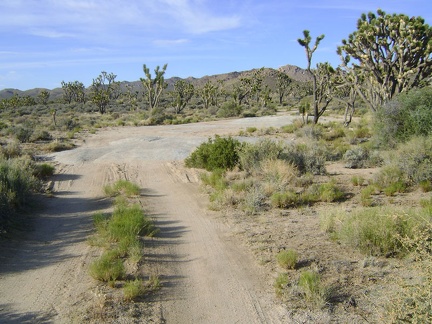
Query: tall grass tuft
[[122, 187]]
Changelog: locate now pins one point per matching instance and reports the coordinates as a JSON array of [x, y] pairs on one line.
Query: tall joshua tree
[[388, 54], [153, 87], [321, 77]]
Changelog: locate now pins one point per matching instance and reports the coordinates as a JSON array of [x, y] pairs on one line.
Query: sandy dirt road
[[207, 275]]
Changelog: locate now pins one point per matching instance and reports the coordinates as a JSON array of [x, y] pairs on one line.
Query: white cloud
[[170, 42], [50, 33]]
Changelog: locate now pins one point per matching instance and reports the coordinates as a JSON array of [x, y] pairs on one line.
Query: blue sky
[[44, 42]]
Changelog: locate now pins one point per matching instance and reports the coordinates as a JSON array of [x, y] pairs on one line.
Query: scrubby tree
[[153, 87], [321, 77], [257, 83], [183, 92], [344, 90], [208, 94], [73, 91], [388, 54], [131, 97], [103, 90], [43, 97], [283, 82]]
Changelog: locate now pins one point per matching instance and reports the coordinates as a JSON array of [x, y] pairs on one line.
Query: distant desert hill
[[294, 72]]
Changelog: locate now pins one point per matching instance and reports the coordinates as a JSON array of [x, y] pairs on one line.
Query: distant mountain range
[[294, 72]]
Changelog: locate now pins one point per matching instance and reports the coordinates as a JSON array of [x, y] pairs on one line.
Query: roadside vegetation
[[120, 235], [276, 172]]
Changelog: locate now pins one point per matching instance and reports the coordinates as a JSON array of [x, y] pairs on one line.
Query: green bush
[[308, 158], [251, 155], [229, 109], [285, 199], [23, 134], [43, 170], [122, 187], [407, 115], [217, 153], [127, 222], [287, 259], [281, 284], [17, 182], [314, 292], [414, 160], [133, 289], [109, 267], [377, 231]]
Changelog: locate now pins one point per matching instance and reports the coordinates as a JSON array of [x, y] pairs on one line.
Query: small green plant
[[133, 289], [122, 187], [287, 259], [281, 284], [108, 267], [285, 199], [426, 185], [314, 292], [357, 181], [366, 199], [251, 129], [43, 170], [395, 187]]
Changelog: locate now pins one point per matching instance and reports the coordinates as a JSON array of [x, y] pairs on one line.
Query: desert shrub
[[229, 109], [109, 267], [281, 283], [336, 131], [327, 192], [122, 187], [133, 289], [376, 231], [425, 185], [356, 158], [11, 150], [251, 155], [278, 172], [17, 182], [310, 131], [43, 170], [357, 181], [129, 222], [217, 153], [215, 179], [414, 160], [22, 133], [407, 115], [389, 176], [255, 200], [293, 127], [366, 199], [285, 199], [40, 135], [58, 146], [314, 292], [287, 259], [307, 158]]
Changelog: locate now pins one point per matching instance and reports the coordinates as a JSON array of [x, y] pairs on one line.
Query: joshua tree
[[283, 82], [153, 87], [388, 54], [103, 90], [321, 77], [183, 92]]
